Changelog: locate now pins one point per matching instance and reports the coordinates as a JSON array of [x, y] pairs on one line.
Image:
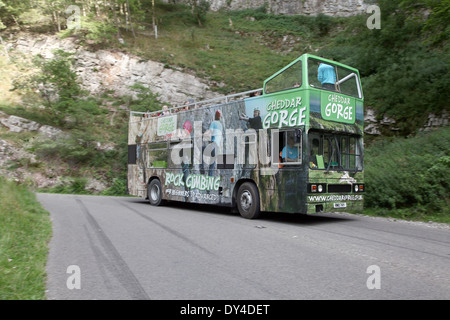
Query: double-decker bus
[[295, 145]]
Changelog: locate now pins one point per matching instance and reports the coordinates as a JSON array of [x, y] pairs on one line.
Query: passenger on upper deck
[[327, 76], [165, 111]]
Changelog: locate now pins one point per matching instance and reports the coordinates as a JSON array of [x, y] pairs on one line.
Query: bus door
[[287, 154]]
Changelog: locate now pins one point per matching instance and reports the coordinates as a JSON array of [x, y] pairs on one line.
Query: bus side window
[[288, 79], [157, 155], [290, 151], [181, 154]]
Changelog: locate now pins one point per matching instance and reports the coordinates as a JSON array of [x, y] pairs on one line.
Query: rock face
[[338, 8], [435, 121], [116, 71], [19, 124]]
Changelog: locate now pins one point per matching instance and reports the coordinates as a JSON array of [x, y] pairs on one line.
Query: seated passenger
[[289, 152]]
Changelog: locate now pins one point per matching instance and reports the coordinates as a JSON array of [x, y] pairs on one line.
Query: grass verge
[[25, 230]]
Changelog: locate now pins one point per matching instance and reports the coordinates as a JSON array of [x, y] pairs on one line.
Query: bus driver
[[289, 152]]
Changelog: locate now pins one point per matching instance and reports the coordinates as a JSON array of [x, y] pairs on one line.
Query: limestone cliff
[[117, 71], [338, 8]]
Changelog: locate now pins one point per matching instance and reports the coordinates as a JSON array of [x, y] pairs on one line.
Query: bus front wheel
[[248, 201], [154, 192]]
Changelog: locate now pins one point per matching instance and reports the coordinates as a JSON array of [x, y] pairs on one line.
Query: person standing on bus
[[326, 76]]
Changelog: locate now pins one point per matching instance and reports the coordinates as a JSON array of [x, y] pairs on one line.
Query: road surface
[[123, 248]]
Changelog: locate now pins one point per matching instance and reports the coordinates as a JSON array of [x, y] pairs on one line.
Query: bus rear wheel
[[154, 192], [248, 201]]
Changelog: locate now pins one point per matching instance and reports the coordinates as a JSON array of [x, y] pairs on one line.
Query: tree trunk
[[129, 18], [116, 19]]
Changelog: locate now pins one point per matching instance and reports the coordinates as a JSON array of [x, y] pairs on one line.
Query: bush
[[78, 148], [71, 186], [409, 173], [118, 188], [97, 32]]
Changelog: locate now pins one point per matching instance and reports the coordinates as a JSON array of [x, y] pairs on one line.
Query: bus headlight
[[358, 187]]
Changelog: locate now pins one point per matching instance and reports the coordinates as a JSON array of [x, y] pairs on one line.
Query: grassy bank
[[25, 230]]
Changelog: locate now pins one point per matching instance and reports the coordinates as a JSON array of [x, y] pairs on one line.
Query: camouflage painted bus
[[295, 145]]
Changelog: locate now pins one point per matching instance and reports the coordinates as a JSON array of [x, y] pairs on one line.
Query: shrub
[[409, 173]]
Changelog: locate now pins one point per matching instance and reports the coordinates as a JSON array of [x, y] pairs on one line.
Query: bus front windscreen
[[335, 152]]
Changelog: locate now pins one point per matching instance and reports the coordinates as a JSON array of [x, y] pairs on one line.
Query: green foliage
[[67, 103], [2, 5], [436, 25], [258, 20], [118, 188], [11, 9], [199, 10], [70, 186], [146, 99], [409, 173], [93, 31], [76, 149], [324, 24], [57, 72]]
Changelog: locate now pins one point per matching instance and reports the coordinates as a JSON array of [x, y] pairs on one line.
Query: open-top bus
[[295, 145]]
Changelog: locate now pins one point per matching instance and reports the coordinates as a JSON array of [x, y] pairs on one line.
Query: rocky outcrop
[[17, 162], [117, 71], [373, 126], [19, 124], [435, 121]]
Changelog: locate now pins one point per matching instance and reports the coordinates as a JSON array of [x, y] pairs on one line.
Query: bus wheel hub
[[246, 200]]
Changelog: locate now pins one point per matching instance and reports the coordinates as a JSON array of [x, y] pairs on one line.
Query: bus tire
[[154, 192], [248, 201]]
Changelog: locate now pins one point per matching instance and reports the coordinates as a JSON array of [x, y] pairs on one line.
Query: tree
[[199, 8], [58, 85], [11, 9]]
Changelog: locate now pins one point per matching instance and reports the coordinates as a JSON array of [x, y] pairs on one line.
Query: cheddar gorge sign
[[279, 110], [336, 107]]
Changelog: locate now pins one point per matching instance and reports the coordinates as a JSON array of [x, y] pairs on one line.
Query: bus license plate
[[340, 205]]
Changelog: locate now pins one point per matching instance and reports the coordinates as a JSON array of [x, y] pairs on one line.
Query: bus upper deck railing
[[197, 104]]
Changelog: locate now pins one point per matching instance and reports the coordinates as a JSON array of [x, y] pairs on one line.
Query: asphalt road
[[123, 248]]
